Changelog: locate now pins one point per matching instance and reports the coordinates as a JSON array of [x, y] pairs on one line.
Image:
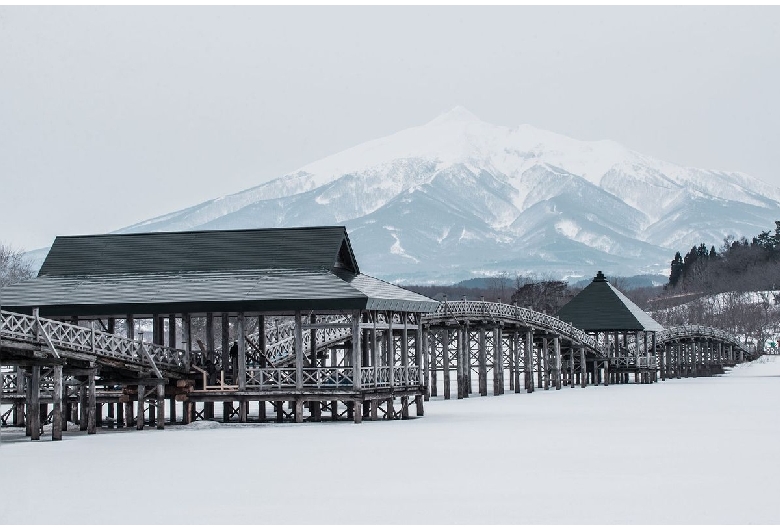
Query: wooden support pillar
[[433, 364], [299, 410], [130, 327], [514, 377], [298, 334], [186, 336], [546, 362], [83, 407], [482, 363], [139, 419], [390, 413], [404, 407], [405, 347], [572, 378], [208, 408], [583, 368], [357, 407], [91, 405], [418, 401], [355, 351], [528, 348], [498, 362], [468, 368], [161, 406], [425, 348], [375, 348], [557, 348], [157, 332], [172, 331], [56, 416], [188, 412], [33, 414], [241, 361], [445, 362], [120, 416], [461, 379], [664, 357], [172, 410], [128, 414]]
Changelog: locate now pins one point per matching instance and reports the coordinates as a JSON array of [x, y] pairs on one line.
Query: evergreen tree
[[677, 270]]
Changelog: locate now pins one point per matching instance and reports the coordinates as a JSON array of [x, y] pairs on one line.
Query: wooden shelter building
[[285, 321], [627, 334]]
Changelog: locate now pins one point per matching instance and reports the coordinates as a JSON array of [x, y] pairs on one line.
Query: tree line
[[739, 265]]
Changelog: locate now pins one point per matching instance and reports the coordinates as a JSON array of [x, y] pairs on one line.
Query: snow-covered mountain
[[458, 197]]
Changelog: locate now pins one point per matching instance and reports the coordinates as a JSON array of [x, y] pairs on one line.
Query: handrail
[[693, 330], [494, 310], [61, 336]]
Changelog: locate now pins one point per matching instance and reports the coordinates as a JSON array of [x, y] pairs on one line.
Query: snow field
[[683, 451]]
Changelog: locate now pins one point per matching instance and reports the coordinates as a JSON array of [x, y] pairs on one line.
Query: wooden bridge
[[64, 361], [475, 341]]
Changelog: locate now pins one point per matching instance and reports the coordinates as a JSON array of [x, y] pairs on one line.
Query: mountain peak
[[456, 114]]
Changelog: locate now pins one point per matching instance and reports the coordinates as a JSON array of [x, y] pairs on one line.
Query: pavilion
[[299, 323]]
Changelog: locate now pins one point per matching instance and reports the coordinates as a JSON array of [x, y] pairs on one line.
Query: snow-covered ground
[[701, 450]]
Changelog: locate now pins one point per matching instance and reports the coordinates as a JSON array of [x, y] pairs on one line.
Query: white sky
[[113, 115]]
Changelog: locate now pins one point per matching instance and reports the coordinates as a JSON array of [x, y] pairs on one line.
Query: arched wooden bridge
[[478, 344]]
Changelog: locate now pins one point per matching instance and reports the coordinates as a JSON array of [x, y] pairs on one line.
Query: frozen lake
[[683, 451]]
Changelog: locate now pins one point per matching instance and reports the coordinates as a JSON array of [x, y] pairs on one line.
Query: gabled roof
[[284, 270], [315, 248], [601, 307]]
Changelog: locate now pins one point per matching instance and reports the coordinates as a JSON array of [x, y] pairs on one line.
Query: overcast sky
[[109, 116]]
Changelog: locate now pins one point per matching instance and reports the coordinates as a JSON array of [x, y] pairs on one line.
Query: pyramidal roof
[[601, 307]]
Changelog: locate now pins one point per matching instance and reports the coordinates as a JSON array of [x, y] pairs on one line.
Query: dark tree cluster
[[544, 296], [739, 265]]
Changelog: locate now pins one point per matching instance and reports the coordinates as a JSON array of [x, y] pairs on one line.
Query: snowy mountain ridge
[[458, 196]]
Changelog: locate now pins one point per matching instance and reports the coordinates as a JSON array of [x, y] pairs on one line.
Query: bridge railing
[[280, 340], [494, 310], [693, 330], [332, 377], [70, 337]]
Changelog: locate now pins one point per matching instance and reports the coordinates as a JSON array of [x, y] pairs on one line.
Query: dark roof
[[243, 270], [322, 247], [601, 307]]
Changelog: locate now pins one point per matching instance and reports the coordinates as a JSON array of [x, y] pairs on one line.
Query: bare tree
[[14, 268]]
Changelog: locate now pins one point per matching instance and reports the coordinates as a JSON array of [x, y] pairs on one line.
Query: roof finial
[[600, 277]]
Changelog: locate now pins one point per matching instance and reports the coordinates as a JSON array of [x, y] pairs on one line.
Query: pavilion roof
[[601, 307], [207, 271]]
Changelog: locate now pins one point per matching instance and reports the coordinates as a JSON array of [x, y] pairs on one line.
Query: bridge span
[[479, 346]]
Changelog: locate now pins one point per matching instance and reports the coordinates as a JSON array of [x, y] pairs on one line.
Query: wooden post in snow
[[56, 416]]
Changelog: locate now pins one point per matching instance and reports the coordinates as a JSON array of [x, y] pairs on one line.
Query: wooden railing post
[[298, 331], [186, 335]]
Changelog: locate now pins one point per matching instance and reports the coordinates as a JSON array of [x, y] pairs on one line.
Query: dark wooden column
[[34, 416], [56, 416], [227, 406], [482, 363], [161, 406], [91, 403], [445, 361], [241, 362]]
